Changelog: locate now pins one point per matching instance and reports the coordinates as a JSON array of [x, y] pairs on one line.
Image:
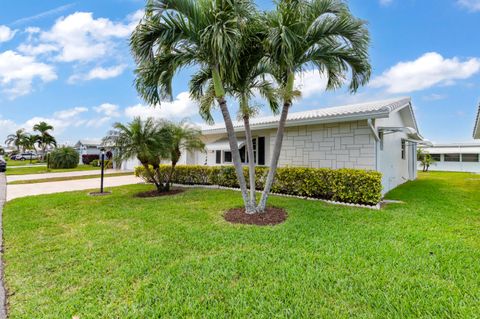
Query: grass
[[20, 163], [174, 257], [43, 170], [69, 178]]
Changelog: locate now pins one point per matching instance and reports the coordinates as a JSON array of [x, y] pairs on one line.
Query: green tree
[[64, 157], [320, 35], [180, 33], [19, 139], [45, 138]]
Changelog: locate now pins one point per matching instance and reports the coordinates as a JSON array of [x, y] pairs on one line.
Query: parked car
[[3, 164], [25, 156]]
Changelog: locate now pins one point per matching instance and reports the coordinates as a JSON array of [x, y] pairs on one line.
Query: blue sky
[[69, 63]]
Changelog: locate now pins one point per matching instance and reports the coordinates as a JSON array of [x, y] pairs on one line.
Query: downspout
[[377, 140]]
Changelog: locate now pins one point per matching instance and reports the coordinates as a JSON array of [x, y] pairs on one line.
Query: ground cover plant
[[175, 256]]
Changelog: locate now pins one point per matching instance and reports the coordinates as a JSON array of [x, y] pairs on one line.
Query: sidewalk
[[23, 190], [29, 177]]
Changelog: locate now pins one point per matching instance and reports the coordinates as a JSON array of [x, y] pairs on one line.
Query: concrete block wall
[[338, 145]]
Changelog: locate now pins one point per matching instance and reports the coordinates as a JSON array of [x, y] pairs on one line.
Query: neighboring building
[[380, 136], [88, 147], [455, 157]]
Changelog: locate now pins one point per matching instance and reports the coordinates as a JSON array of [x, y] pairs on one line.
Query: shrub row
[[343, 185], [88, 158]]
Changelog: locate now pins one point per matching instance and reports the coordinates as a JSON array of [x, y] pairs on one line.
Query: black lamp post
[[103, 169]]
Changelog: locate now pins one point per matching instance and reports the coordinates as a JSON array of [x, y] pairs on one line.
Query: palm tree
[[251, 79], [143, 140], [45, 138], [313, 34], [18, 139], [179, 33], [181, 137]]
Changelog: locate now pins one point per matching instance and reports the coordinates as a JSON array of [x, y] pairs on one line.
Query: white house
[[381, 135], [88, 147], [455, 157]]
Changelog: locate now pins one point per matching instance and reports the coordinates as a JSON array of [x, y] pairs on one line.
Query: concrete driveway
[[23, 190]]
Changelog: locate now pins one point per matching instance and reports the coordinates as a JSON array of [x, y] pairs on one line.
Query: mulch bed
[[273, 216], [155, 193]]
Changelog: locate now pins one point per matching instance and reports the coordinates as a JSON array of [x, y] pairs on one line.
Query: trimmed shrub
[[88, 158], [343, 185], [64, 157], [95, 163]]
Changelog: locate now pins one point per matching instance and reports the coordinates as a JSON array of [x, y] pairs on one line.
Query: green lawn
[[19, 163], [69, 178], [43, 169], [175, 257]]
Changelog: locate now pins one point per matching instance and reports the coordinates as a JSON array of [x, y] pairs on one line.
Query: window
[[404, 149], [452, 157], [227, 157], [436, 157], [470, 158], [261, 151], [218, 157]]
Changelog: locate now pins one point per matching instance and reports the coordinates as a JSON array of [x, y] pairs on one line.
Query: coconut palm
[[45, 138], [181, 137], [320, 35], [178, 33], [19, 139], [251, 79]]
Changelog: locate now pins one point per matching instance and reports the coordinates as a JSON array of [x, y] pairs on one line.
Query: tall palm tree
[[321, 35], [180, 33], [181, 137], [18, 139], [143, 140], [45, 138], [251, 79]]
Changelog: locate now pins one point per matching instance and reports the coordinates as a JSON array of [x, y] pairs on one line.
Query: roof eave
[[293, 123]]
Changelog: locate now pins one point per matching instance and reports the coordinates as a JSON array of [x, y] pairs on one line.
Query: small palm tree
[[19, 139], [143, 140], [45, 138], [180, 138]]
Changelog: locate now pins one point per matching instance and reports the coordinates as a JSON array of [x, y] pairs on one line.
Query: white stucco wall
[[469, 167], [394, 169]]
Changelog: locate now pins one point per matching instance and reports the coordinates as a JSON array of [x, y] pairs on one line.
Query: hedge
[[88, 158], [343, 185]]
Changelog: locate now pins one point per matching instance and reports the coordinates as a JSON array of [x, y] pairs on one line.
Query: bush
[[88, 158], [343, 185], [95, 163], [64, 157]]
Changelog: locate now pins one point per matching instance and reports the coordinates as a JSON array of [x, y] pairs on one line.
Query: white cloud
[[473, 5], [6, 34], [99, 73], [79, 37], [7, 127], [108, 109], [17, 73], [70, 113], [310, 83], [434, 97], [43, 48], [98, 122], [429, 70], [181, 107]]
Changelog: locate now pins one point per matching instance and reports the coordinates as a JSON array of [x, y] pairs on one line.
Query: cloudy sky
[[68, 63]]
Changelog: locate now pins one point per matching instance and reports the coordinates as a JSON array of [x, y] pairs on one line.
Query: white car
[[25, 156]]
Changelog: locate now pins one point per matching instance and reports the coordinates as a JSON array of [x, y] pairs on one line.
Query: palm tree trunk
[[235, 154], [251, 160], [170, 176], [275, 157]]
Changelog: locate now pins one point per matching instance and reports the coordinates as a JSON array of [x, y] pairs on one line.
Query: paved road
[[3, 295], [29, 177], [23, 190]]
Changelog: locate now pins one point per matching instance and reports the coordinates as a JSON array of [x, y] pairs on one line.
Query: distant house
[[455, 157], [381, 135], [88, 147]]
